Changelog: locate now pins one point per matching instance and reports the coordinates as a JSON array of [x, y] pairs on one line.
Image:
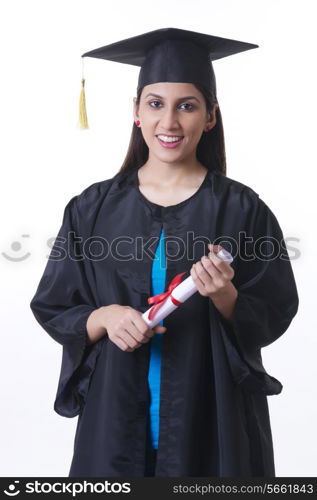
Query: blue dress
[[154, 375]]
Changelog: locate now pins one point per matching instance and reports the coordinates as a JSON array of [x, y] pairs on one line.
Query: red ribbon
[[159, 299]]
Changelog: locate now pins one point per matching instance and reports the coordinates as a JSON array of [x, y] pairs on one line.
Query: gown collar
[[171, 208]]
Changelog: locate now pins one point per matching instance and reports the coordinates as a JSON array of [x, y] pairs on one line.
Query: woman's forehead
[[170, 89]]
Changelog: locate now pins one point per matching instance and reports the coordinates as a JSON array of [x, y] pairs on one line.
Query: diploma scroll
[[179, 294]]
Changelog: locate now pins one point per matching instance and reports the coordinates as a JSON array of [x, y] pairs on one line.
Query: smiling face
[[173, 116]]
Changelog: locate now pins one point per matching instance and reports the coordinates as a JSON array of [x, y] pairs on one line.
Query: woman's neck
[[172, 174]]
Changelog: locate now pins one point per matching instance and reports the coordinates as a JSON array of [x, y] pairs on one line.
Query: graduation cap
[[168, 55]]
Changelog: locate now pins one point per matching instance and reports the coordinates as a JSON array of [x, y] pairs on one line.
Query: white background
[[267, 99]]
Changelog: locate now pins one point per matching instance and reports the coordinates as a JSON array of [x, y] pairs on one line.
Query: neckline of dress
[[169, 207]]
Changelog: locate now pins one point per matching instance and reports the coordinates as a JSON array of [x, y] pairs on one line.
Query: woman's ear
[[135, 109], [212, 120]]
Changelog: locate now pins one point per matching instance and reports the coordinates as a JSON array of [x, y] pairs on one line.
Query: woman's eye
[[188, 104], [153, 102], [156, 104]]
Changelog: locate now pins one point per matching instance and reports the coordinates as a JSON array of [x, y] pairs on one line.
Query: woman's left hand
[[211, 275]]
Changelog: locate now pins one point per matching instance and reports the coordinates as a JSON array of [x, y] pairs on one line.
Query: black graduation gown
[[214, 418]]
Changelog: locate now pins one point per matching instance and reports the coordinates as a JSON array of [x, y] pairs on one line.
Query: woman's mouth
[[169, 141]]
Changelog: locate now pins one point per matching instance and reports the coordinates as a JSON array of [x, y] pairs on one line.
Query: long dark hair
[[210, 149]]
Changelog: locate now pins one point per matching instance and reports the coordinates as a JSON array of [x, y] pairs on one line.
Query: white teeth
[[165, 138]]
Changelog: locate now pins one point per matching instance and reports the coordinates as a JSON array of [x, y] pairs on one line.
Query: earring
[[137, 123], [207, 128]]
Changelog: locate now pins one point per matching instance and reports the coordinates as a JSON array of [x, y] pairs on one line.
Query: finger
[[141, 326], [199, 274], [223, 267], [207, 271], [129, 339], [198, 283], [134, 333], [122, 345], [219, 279], [215, 248], [209, 264], [130, 327], [160, 329]]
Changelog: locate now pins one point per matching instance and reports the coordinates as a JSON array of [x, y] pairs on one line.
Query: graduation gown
[[214, 418]]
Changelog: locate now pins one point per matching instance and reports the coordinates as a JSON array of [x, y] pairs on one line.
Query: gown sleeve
[[266, 304], [61, 305]]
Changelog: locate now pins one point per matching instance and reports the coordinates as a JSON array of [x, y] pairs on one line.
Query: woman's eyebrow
[[178, 99]]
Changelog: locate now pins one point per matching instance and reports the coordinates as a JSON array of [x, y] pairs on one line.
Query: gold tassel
[[83, 122]]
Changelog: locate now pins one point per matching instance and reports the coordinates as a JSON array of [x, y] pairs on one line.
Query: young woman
[[188, 397]]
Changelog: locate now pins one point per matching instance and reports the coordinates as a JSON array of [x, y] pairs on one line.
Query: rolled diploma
[[181, 293]]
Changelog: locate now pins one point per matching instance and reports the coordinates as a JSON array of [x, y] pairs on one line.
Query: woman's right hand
[[126, 328]]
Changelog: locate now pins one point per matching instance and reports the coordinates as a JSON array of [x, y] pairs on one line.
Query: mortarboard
[[168, 55]]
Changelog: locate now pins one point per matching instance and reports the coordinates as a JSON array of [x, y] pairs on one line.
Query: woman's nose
[[169, 118]]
